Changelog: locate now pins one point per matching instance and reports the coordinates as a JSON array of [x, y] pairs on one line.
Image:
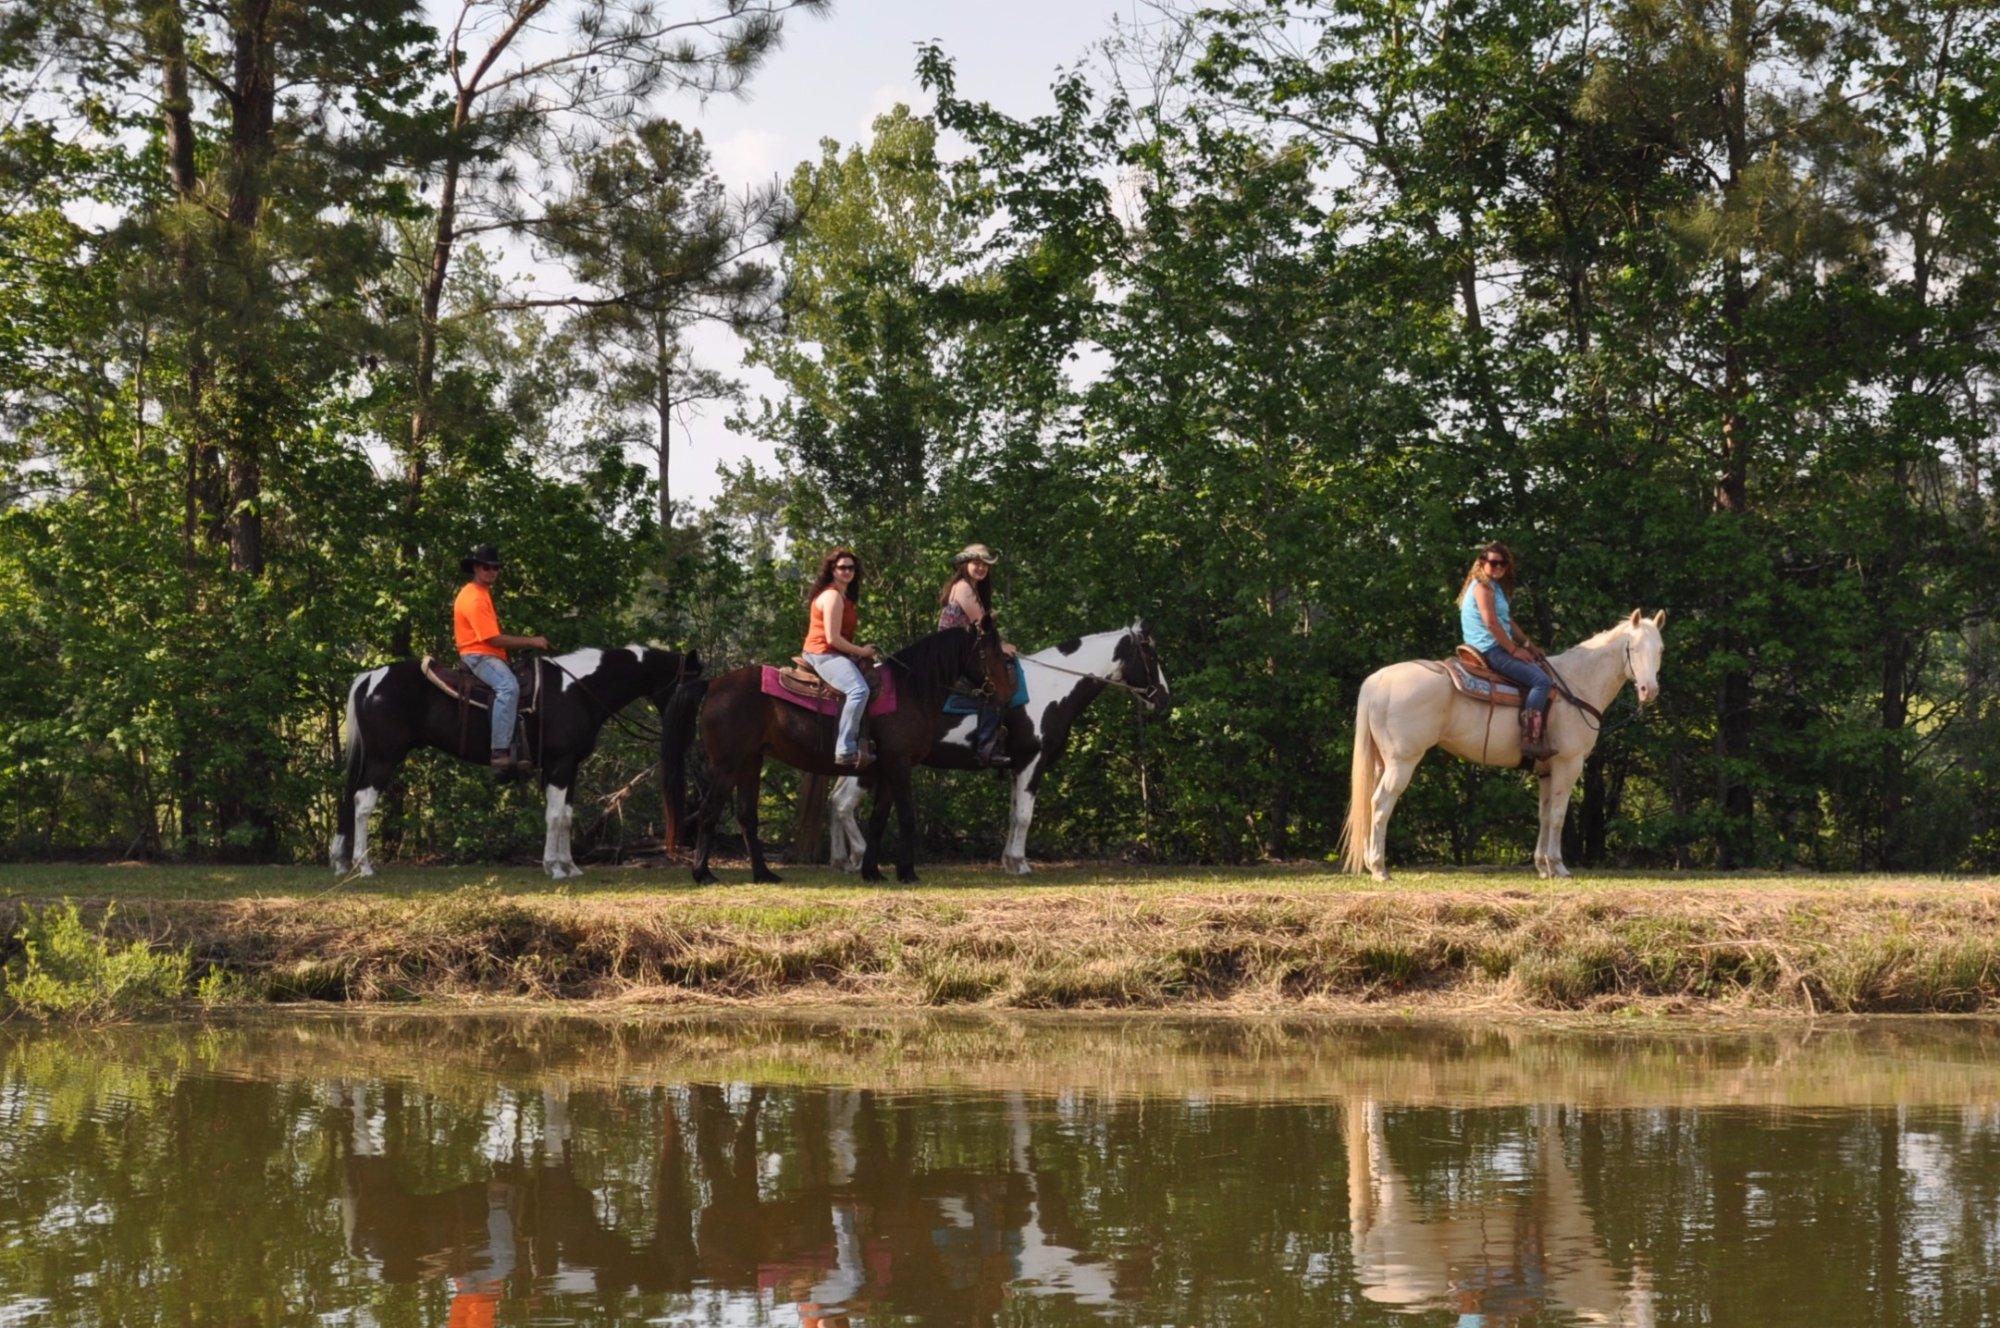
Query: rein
[[1149, 693], [1593, 716], [614, 716]]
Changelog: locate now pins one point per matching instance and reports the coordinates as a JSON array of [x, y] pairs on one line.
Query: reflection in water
[[377, 1174]]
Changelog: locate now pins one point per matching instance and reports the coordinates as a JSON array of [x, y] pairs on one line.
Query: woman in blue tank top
[[1486, 621]]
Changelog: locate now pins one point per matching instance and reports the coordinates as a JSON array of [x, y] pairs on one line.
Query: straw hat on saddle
[[484, 556], [974, 553]]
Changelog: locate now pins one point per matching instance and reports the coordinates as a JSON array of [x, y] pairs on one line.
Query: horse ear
[[1660, 618], [1634, 619]]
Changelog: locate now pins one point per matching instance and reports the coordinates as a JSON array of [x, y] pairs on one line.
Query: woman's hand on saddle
[[868, 652], [538, 643], [1007, 649]]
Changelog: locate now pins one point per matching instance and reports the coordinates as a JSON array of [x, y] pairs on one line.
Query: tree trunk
[[1735, 840], [809, 831], [663, 368]]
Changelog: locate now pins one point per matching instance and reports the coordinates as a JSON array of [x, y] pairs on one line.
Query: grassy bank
[[1084, 938]]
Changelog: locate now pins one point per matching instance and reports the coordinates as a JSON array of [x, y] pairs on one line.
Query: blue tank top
[[1472, 626]]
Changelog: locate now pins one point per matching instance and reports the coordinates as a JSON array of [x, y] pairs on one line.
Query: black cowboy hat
[[483, 556]]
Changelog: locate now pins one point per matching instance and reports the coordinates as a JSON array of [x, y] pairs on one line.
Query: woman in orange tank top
[[832, 624]]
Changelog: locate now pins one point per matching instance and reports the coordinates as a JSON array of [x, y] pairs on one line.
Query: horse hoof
[[1016, 867], [365, 869], [871, 875], [702, 876], [1381, 875], [907, 877], [766, 878]]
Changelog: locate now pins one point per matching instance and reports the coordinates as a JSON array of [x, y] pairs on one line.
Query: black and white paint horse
[[395, 709], [1061, 680]]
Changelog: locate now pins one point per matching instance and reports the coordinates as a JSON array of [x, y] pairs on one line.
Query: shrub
[[67, 970]]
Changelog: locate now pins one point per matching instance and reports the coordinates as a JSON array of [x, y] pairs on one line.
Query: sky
[[830, 79]]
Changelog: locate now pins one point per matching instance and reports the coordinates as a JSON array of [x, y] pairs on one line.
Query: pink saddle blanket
[[882, 702]]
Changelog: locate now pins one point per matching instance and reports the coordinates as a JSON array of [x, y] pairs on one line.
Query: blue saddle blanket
[[956, 704]]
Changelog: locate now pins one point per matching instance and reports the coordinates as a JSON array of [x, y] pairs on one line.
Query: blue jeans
[[844, 675], [1523, 674], [506, 694]]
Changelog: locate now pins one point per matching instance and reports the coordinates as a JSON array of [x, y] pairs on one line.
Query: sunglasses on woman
[[1496, 562]]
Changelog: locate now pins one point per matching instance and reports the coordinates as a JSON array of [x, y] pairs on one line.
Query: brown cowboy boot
[[863, 757], [504, 764], [1534, 735]]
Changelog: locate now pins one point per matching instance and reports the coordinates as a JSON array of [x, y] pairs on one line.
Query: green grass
[[806, 885]]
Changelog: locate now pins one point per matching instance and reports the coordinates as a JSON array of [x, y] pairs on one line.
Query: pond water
[[457, 1172]]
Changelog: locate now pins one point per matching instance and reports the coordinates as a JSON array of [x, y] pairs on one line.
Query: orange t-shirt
[[850, 622], [473, 621]]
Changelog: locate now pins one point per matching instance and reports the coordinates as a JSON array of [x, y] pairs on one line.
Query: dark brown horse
[[739, 725]]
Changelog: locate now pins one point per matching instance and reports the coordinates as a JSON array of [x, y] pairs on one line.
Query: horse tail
[[351, 736], [1361, 789], [677, 727]]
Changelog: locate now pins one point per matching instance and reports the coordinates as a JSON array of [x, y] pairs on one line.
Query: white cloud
[[750, 155]]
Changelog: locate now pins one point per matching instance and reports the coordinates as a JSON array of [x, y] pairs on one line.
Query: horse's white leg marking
[[1397, 771], [569, 824], [1542, 827], [1562, 779], [364, 807], [339, 854], [1015, 858], [552, 844]]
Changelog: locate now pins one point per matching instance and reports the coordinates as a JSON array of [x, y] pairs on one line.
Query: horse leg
[[1397, 770], [1556, 787], [365, 799], [748, 785], [365, 791], [1014, 858], [705, 817], [898, 780], [555, 844], [878, 822]]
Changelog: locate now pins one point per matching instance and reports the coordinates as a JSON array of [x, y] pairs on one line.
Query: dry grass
[[1238, 942]]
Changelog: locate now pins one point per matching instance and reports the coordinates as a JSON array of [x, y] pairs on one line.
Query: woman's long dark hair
[[982, 589], [825, 577]]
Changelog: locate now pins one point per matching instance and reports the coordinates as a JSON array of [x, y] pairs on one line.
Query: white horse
[[1062, 680], [1406, 709]]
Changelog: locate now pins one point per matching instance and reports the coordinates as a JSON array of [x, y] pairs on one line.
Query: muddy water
[[459, 1172]]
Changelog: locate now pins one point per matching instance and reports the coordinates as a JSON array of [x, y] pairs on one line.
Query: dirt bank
[[1866, 946]]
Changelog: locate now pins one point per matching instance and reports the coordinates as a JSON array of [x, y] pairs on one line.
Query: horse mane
[[932, 661]]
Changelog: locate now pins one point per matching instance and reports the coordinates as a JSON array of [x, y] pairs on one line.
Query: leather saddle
[[464, 687], [1471, 677], [802, 680]]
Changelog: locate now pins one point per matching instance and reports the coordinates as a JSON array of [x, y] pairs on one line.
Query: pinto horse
[[1061, 680], [739, 724], [1406, 709], [394, 709]]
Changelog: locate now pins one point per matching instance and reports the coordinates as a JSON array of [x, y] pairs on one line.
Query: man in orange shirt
[[483, 647]]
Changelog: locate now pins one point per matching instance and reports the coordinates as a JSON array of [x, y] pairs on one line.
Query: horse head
[[1644, 649], [667, 670], [1139, 669]]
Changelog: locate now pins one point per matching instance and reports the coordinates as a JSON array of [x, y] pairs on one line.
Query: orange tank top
[[850, 623]]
